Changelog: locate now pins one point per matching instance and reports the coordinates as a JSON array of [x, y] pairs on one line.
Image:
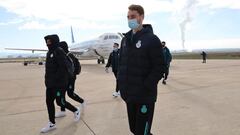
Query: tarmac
[[199, 99]]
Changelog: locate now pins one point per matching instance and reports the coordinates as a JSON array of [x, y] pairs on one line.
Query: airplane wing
[[32, 50], [78, 52]]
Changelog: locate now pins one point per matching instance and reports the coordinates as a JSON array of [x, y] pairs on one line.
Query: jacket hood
[[54, 38], [64, 46], [148, 27]]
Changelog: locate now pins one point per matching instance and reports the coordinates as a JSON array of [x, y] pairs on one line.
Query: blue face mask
[[133, 24]]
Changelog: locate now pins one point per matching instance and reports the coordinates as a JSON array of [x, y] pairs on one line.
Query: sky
[[202, 24]]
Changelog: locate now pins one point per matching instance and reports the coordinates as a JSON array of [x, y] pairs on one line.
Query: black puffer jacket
[[56, 75], [141, 66], [113, 60]]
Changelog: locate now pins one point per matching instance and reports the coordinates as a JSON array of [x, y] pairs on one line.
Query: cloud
[[92, 13], [89, 13], [36, 25], [90, 9], [16, 21], [33, 25], [216, 4]]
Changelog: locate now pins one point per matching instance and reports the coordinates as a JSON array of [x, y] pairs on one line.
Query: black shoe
[[164, 82]]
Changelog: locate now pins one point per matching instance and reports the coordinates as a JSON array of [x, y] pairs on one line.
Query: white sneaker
[[77, 114], [50, 126], [60, 114], [115, 94]]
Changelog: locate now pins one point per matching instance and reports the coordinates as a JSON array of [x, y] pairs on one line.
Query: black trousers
[[166, 73], [204, 60], [140, 118], [71, 94], [115, 74], [51, 95]]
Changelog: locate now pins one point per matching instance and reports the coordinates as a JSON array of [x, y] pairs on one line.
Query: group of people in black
[[140, 63]]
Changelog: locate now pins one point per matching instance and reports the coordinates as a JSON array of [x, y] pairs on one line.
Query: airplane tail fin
[[73, 41]]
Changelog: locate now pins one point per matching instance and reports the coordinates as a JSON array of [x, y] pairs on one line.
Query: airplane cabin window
[[111, 37], [106, 37]]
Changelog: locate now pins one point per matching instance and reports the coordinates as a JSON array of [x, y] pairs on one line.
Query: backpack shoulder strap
[[68, 54]]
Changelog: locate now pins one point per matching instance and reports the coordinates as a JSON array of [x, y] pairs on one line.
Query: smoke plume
[[187, 18]]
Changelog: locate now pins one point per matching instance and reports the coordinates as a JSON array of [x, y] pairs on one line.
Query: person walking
[[141, 66], [56, 80]]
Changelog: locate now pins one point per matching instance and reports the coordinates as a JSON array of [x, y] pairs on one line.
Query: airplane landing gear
[[25, 63], [101, 60]]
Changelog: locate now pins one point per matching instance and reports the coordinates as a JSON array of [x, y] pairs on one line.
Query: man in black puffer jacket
[[141, 66], [56, 81], [113, 62]]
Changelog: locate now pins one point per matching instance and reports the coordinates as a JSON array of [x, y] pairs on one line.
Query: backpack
[[69, 63], [70, 66], [77, 65]]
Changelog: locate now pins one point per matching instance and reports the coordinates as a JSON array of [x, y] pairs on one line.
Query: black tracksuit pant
[[204, 60], [51, 95], [140, 118], [115, 74], [71, 94], [166, 73]]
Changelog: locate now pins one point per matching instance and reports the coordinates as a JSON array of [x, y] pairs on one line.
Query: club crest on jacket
[[138, 44]]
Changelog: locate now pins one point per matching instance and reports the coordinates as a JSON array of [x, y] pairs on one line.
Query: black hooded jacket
[[141, 66], [56, 75]]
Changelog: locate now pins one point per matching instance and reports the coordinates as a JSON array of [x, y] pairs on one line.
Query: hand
[[106, 69]]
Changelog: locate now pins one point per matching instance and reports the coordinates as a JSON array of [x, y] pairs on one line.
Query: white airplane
[[98, 48]]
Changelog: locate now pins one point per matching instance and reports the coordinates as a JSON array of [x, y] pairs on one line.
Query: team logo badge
[[138, 44], [51, 55], [144, 109]]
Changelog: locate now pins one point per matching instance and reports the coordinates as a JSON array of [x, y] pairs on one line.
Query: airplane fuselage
[[100, 47]]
